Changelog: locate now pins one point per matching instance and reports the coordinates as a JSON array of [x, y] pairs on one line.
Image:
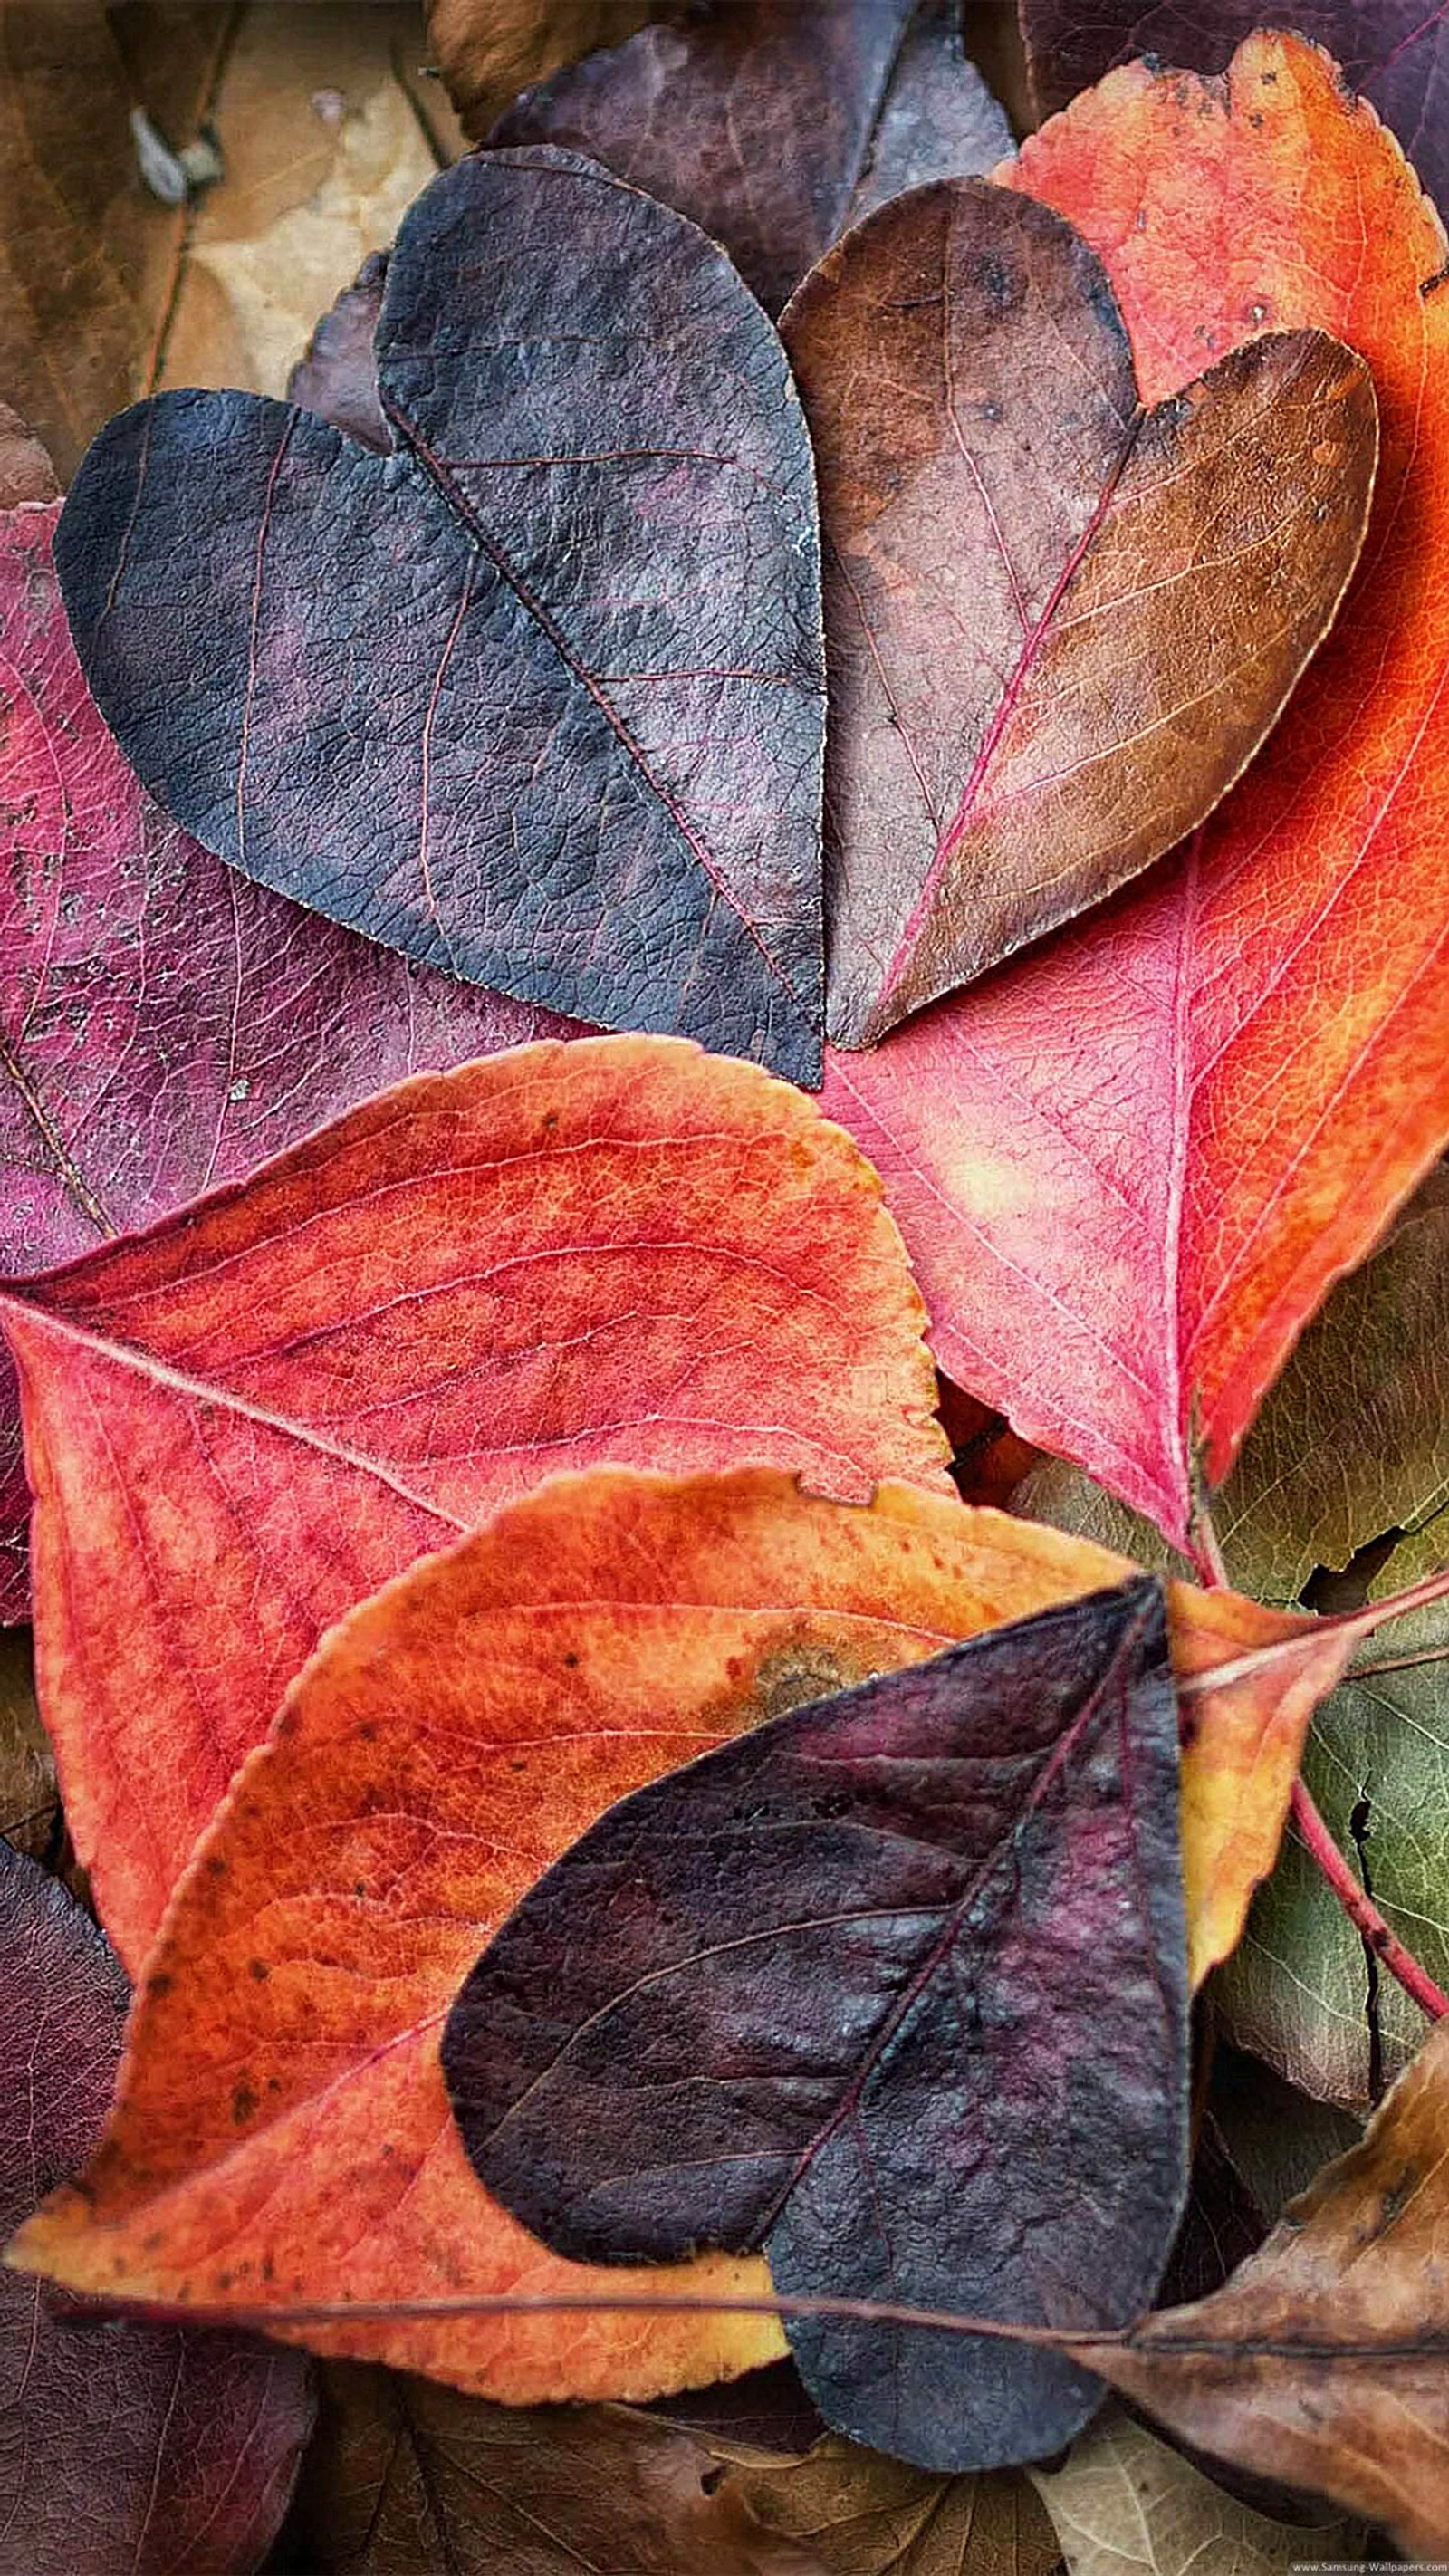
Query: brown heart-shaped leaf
[[1059, 623]]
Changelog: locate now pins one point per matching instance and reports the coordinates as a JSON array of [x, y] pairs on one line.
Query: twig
[[1397, 1663], [1205, 1549]]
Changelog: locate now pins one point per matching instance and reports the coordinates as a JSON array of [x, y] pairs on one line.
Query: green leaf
[[1300, 1989]]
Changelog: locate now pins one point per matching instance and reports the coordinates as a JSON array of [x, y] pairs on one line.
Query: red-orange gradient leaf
[[283, 2134], [243, 1422], [1130, 1167], [164, 1024]]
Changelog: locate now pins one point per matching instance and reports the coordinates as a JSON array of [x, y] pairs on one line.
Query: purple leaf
[[337, 376], [164, 1025], [894, 1988], [774, 126], [539, 698], [125, 2450]]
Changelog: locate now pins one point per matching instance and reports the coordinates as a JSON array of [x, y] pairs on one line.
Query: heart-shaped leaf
[[1130, 1166], [1059, 624], [774, 126], [125, 2447], [894, 1990], [164, 1025], [538, 697], [243, 1422]]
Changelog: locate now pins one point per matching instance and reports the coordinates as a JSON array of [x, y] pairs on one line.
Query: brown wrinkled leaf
[[87, 257], [1123, 2504], [1324, 2362], [1058, 623], [865, 2515], [774, 125], [487, 49], [405, 2478], [26, 472]]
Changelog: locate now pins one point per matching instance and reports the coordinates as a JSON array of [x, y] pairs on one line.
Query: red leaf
[[1395, 51], [1130, 1166], [240, 1424], [164, 1025], [128, 2450]]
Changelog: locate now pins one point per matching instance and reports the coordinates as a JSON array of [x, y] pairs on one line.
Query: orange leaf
[[1130, 1167], [283, 2135], [245, 1420]]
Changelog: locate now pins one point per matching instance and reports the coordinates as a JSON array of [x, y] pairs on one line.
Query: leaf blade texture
[[134, 2447], [1392, 51], [1125, 2505], [1130, 1167], [825, 1994], [771, 129], [1060, 623], [536, 699], [444, 1745], [867, 2515], [164, 1024], [1301, 1990], [246, 1420], [1321, 2362], [1351, 1441]]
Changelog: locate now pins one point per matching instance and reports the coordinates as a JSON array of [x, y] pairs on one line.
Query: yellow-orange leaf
[[282, 2134]]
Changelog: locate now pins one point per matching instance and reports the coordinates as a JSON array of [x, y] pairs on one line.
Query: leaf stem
[[1148, 2332], [1344, 1623], [1360, 1908], [1397, 1663]]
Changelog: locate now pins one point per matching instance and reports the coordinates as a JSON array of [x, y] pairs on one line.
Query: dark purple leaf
[[1221, 2225], [337, 378], [539, 698], [164, 1025], [894, 1988], [1395, 51], [125, 2450], [773, 125], [768, 2409]]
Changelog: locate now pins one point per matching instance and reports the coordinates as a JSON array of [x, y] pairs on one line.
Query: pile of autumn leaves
[[559, 1431]]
